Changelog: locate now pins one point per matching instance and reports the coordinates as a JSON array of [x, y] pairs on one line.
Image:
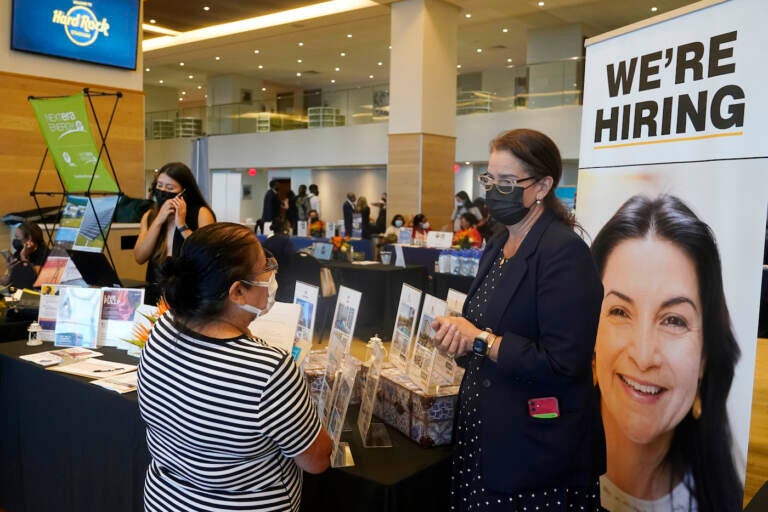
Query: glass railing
[[545, 85]]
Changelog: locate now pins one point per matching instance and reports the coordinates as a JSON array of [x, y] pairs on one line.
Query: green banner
[[65, 127]]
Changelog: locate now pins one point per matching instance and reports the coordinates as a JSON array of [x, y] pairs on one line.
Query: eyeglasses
[[270, 266], [504, 185]]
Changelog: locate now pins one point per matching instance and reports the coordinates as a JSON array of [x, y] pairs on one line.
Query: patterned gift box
[[314, 369], [425, 418]]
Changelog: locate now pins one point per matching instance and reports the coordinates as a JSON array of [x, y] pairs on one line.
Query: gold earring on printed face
[[696, 408], [538, 200]]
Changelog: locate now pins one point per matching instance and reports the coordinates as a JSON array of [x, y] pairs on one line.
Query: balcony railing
[[550, 84]]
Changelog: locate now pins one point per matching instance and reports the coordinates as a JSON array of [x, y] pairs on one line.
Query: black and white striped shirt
[[224, 418]]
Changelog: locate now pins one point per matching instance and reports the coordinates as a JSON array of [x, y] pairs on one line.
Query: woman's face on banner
[[648, 353]]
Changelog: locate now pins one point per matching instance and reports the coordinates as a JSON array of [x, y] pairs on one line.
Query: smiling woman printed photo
[[664, 361]]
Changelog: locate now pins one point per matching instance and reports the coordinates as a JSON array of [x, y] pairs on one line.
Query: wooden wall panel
[[22, 145], [437, 196], [403, 170]]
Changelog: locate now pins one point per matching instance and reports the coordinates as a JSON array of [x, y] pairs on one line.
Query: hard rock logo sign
[[81, 24]]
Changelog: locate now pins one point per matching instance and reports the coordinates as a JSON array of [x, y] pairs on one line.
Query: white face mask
[[271, 286], [425, 225]]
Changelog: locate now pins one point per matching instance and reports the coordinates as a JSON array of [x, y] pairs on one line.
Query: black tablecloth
[[381, 286], [442, 282], [67, 445], [12, 330]]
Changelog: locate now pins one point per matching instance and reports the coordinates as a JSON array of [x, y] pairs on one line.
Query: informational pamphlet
[[125, 383], [63, 356], [330, 230], [278, 326], [404, 236], [305, 295], [78, 317], [94, 368], [84, 223], [118, 315], [455, 302], [405, 325], [357, 225], [428, 368], [301, 228], [372, 437], [342, 392], [49, 306], [439, 239], [342, 330]]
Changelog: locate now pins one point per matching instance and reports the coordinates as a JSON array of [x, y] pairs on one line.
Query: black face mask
[[18, 245], [507, 208], [162, 196]]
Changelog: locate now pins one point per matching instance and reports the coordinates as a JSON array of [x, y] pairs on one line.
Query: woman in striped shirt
[[230, 424]]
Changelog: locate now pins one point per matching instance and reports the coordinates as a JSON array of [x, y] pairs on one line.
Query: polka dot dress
[[468, 492]]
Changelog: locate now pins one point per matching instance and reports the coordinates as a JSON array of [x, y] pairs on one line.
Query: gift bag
[[327, 284]]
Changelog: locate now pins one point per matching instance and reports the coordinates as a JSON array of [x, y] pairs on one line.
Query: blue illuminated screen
[[98, 31]]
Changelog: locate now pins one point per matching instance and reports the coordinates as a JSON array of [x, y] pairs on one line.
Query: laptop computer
[[95, 268], [322, 250]]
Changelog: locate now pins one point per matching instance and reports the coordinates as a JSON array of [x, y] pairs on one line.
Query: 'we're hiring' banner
[[67, 132], [676, 105]]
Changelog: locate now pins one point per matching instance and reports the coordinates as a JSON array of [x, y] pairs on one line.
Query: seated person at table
[[468, 235], [393, 231], [420, 229], [281, 246], [28, 256], [230, 423], [315, 226]]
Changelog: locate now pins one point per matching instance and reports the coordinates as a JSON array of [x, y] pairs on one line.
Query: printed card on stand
[[278, 326], [399, 256], [439, 239], [49, 306], [342, 331], [455, 302], [301, 228], [374, 435], [77, 317], [404, 236], [305, 295], [422, 368], [357, 225], [341, 456], [119, 313], [330, 230], [405, 326]]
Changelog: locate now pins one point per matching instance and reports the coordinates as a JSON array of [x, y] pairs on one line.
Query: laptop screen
[[322, 250], [95, 268]]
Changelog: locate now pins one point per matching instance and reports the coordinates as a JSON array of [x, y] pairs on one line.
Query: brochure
[[278, 326], [405, 325], [63, 356], [455, 302], [49, 305], [77, 317], [429, 368], [119, 313], [94, 368], [439, 239], [125, 383], [305, 296]]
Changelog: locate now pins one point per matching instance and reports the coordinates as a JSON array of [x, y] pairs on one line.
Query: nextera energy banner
[[67, 132], [674, 176]]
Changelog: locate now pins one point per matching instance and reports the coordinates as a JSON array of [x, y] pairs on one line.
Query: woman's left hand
[[454, 334], [180, 207]]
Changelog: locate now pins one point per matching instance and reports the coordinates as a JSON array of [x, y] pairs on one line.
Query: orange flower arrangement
[[467, 238], [141, 330], [317, 229], [341, 244]]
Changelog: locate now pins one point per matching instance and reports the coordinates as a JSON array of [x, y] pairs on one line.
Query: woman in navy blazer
[[528, 434]]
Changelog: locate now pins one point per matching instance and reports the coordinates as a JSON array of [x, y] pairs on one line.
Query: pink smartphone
[[545, 407]]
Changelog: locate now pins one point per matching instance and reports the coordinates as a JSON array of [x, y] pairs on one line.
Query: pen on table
[[104, 370]]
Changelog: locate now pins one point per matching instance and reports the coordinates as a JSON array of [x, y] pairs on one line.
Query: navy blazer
[[546, 308]]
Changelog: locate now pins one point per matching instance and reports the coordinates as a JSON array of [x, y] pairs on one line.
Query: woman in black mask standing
[[179, 210], [528, 434]]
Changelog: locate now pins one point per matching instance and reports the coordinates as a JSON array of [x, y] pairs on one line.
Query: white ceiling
[[324, 39]]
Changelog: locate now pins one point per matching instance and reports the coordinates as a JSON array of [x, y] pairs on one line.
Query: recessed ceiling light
[[206, 95], [257, 52], [301, 44], [153, 21], [458, 66], [181, 64], [509, 60], [161, 81], [298, 74], [380, 63], [183, 93], [147, 70], [505, 30], [333, 81], [343, 54], [349, 36], [479, 50], [217, 57], [390, 47], [190, 76], [206, 7], [654, 9], [261, 66], [370, 76], [181, 99], [199, 87], [263, 88], [468, 15], [466, 163], [541, 4], [337, 69], [299, 61]]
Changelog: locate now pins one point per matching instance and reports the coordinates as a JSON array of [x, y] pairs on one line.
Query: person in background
[[468, 234], [664, 360], [364, 210], [179, 210], [393, 231], [348, 209], [292, 212], [420, 229], [29, 253], [381, 218], [314, 199], [486, 225], [281, 246], [272, 204], [302, 203], [315, 226], [463, 205], [229, 418], [528, 434]]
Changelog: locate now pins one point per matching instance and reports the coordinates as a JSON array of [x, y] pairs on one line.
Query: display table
[[12, 330], [380, 286], [67, 445], [362, 245], [441, 283]]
